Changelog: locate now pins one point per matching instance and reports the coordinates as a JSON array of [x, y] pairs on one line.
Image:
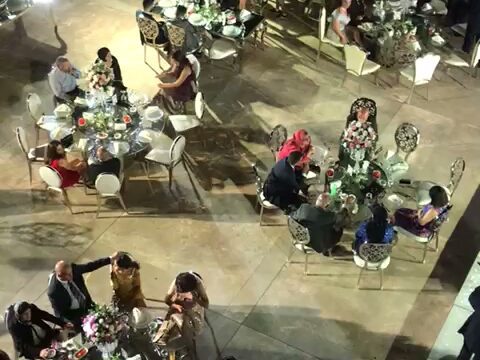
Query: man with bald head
[[68, 292]]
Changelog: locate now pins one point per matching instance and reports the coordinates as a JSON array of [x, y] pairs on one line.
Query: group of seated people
[[71, 301], [72, 171]]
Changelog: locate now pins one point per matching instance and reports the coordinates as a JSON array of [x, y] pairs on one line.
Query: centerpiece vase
[[357, 155], [107, 349]]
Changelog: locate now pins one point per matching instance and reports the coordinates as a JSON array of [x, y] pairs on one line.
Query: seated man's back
[[111, 166]]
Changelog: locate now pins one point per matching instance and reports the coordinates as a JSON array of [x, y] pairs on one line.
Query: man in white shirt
[[63, 79]]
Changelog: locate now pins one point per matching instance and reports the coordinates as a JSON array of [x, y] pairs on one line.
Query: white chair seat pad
[[409, 74], [326, 40], [304, 248], [160, 156], [222, 49], [455, 60], [265, 203], [183, 123], [371, 266], [160, 141], [369, 67], [420, 239]]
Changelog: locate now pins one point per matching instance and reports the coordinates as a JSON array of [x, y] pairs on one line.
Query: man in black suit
[[192, 36], [281, 187], [31, 334], [107, 164], [471, 330], [68, 292], [324, 226]]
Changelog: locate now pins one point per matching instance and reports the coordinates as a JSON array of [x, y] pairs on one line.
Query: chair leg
[[171, 355], [425, 247], [344, 79], [37, 135], [436, 241], [411, 93], [170, 176], [66, 201], [146, 170], [261, 214], [376, 78], [99, 204], [428, 86], [30, 172], [305, 271], [359, 278], [290, 255], [381, 279], [120, 199]]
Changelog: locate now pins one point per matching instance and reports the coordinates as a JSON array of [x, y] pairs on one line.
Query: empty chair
[[373, 257], [300, 238], [261, 201], [425, 241], [108, 186], [32, 155], [53, 180], [407, 138], [182, 123], [277, 138], [221, 49], [456, 61], [36, 111], [421, 72], [356, 63], [456, 173], [167, 157], [150, 31]]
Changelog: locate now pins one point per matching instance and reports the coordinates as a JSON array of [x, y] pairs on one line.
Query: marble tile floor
[[261, 308]]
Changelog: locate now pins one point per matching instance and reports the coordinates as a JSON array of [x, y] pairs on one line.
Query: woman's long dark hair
[[125, 261], [52, 153], [179, 56], [102, 53], [377, 225]]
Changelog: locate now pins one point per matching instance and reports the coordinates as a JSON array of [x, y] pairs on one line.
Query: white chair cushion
[[371, 266], [420, 239], [265, 203], [160, 141], [455, 60], [408, 73], [222, 49], [304, 248], [326, 40], [370, 67], [160, 156], [183, 123]]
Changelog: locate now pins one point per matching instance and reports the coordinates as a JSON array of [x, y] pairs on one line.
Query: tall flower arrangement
[[359, 136], [104, 325], [99, 75]]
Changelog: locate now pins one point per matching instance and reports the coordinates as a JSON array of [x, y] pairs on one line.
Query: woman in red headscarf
[[302, 142]]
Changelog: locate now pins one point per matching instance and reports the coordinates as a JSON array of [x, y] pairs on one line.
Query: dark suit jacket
[[281, 182], [321, 226], [192, 42], [22, 333], [59, 297], [471, 328], [111, 166]]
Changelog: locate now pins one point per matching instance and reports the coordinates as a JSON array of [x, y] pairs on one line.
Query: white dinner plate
[[170, 12], [231, 30], [197, 20], [167, 3]]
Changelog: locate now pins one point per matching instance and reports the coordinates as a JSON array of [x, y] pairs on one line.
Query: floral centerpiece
[[103, 326], [359, 136], [99, 75]]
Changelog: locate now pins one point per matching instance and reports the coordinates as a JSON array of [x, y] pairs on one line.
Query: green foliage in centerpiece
[[100, 121], [210, 13]]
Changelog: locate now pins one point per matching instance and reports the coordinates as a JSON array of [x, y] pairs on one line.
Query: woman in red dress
[[301, 142], [70, 171]]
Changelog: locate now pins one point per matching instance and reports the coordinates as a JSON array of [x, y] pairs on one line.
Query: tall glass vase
[[357, 155], [107, 349]]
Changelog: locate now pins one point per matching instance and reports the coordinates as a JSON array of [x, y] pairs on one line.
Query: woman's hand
[[44, 353], [177, 308]]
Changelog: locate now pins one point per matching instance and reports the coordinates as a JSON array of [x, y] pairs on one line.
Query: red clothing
[[69, 177], [296, 143]]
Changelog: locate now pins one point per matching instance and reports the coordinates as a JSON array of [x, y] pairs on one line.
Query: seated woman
[[188, 300], [111, 61], [377, 230], [125, 279], [182, 88], [363, 110], [418, 222], [339, 31], [301, 142], [70, 171]]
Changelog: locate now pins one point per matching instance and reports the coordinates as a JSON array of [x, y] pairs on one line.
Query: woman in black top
[[111, 61]]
